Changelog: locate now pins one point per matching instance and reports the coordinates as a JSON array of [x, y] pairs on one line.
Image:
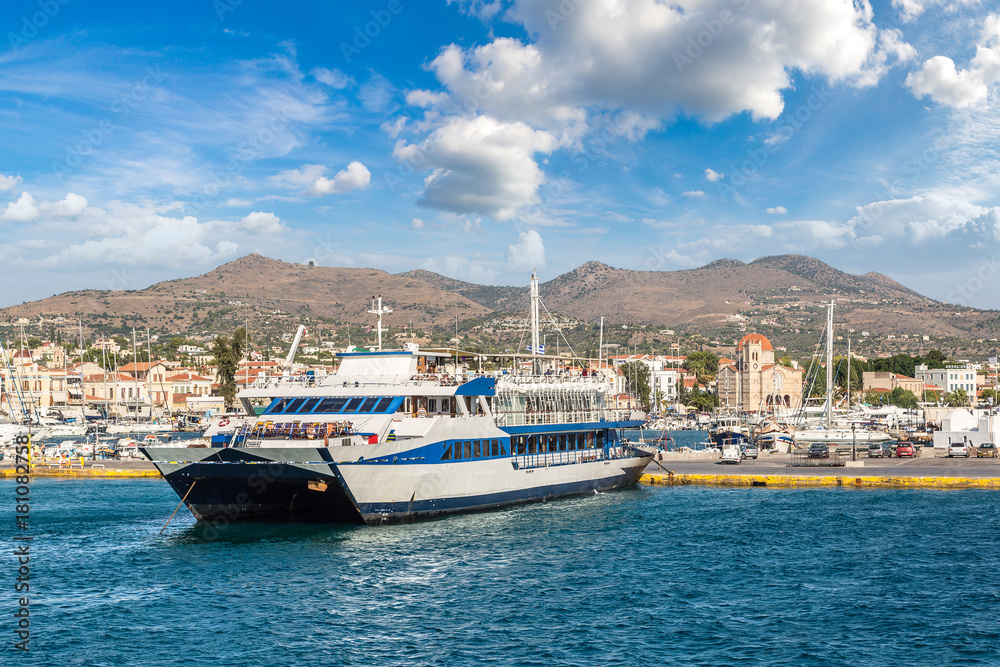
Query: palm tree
[[957, 399]]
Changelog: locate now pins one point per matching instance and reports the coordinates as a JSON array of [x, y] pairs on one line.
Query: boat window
[[590, 441], [331, 404], [532, 444], [562, 443], [295, 405], [368, 405], [352, 405], [309, 405], [552, 446], [477, 449], [600, 439], [279, 405], [468, 449], [447, 454], [496, 447], [445, 405], [521, 441], [383, 405], [458, 450], [432, 405]]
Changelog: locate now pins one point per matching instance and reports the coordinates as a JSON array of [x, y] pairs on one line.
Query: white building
[[950, 378]]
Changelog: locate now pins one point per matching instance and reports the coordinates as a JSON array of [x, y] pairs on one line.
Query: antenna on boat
[[829, 366], [534, 325], [379, 310]]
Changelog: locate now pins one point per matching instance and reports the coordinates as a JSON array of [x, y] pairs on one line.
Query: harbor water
[[647, 575]]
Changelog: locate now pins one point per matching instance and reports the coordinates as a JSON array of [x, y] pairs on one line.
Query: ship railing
[[553, 459], [543, 417]]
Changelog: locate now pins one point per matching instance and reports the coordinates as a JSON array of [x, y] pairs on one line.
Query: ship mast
[[829, 366], [379, 310], [535, 369]]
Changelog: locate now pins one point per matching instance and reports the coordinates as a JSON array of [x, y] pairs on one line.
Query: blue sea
[[643, 576]]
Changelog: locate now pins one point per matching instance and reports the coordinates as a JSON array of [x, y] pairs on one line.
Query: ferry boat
[[391, 438]]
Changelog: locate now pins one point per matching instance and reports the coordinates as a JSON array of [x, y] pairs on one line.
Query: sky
[[484, 139]]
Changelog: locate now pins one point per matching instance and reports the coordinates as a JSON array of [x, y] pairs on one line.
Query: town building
[[754, 382]]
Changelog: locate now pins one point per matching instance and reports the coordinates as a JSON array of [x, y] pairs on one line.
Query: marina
[[708, 560]]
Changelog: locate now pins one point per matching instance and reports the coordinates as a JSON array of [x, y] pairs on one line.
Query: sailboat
[[836, 431]]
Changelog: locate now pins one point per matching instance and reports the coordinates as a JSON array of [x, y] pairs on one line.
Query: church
[[754, 382]]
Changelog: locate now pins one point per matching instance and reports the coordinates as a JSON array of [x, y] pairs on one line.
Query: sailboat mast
[[829, 366], [848, 373], [534, 325]]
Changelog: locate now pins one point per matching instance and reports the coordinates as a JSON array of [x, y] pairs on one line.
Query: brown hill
[[782, 292]]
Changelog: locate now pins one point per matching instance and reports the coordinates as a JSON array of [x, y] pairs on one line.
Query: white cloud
[[297, 179], [309, 178], [262, 223], [657, 59], [480, 165], [419, 224], [694, 193], [331, 77], [70, 207], [22, 210], [139, 236], [527, 254], [943, 82], [9, 182], [237, 203], [777, 210], [908, 9], [713, 175], [355, 176], [624, 68], [939, 80]]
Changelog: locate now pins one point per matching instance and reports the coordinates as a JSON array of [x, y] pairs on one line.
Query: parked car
[[818, 450], [731, 454], [987, 449], [958, 449], [750, 451], [879, 450], [906, 449]]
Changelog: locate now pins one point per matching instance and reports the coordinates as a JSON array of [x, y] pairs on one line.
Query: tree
[[228, 353], [702, 400], [903, 398], [934, 359], [637, 381], [957, 399], [704, 365], [988, 394]]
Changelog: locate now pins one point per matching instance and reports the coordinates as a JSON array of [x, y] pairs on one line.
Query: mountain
[[781, 293]]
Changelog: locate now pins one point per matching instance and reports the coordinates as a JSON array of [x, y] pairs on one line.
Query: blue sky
[[481, 139]]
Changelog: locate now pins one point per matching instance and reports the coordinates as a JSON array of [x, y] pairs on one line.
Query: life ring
[[224, 422]]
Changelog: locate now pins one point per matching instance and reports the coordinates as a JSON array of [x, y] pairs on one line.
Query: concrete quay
[[125, 469], [925, 471]]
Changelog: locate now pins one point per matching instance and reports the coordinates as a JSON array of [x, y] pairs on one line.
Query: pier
[[776, 470]]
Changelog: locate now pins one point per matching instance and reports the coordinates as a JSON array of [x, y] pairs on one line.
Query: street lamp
[[854, 443]]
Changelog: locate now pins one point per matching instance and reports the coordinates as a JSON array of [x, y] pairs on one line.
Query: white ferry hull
[[233, 484]]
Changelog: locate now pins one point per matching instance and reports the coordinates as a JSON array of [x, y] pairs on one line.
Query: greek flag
[[540, 350], [993, 360]]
